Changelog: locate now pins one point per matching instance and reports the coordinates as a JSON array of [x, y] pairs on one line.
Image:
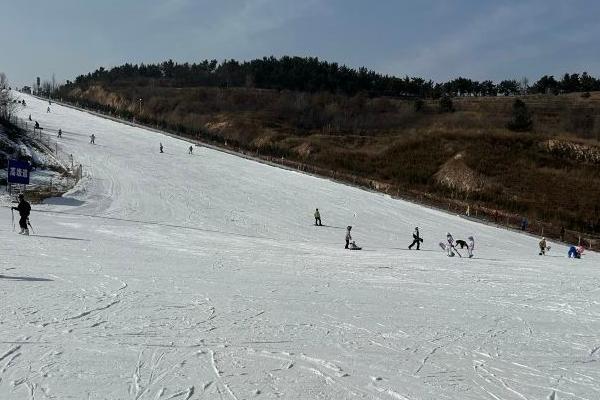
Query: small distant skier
[[416, 239], [93, 139], [317, 218], [470, 246], [24, 209], [48, 110], [543, 246], [59, 133], [348, 236], [161, 148], [191, 149]]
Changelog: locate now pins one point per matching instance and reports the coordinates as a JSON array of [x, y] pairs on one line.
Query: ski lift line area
[[251, 300]]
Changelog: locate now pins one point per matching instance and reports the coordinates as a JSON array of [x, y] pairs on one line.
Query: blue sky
[[434, 39]]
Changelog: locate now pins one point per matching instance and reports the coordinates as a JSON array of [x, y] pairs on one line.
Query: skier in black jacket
[[416, 239], [24, 208]]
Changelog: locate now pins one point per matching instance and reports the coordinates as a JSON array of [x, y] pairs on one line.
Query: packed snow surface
[[177, 276]]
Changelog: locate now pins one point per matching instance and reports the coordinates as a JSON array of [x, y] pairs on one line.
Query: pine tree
[[521, 117]]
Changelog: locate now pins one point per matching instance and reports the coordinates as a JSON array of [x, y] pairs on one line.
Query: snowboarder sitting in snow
[[353, 246], [317, 218], [416, 239], [575, 252], [37, 125], [24, 209], [543, 246]]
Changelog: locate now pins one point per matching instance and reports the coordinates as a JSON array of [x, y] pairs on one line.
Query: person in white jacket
[[470, 246]]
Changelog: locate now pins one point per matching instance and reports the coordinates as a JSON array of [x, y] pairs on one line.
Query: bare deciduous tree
[[524, 85]]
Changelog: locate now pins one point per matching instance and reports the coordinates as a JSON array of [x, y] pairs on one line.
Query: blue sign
[[18, 172]]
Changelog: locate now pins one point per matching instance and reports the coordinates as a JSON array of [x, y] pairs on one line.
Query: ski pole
[[29, 223], [457, 251]]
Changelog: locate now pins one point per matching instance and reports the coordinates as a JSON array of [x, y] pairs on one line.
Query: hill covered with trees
[[313, 75]]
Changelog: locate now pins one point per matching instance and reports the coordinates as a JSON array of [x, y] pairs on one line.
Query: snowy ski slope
[[176, 276]]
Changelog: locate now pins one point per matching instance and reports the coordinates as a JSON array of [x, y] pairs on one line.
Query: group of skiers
[[449, 247], [451, 244], [161, 149]]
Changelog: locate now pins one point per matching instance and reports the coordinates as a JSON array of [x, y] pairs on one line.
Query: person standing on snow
[[450, 239], [450, 245], [470, 246], [191, 150], [161, 148], [317, 218], [416, 239], [542, 245], [348, 236], [59, 133], [24, 209], [93, 139]]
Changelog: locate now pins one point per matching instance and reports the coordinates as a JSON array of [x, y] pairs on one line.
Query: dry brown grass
[[388, 141]]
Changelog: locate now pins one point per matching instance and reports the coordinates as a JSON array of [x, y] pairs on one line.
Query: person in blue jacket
[[575, 252]]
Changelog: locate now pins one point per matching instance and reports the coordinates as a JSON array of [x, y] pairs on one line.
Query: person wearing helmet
[[348, 236], [543, 246], [416, 239], [24, 208]]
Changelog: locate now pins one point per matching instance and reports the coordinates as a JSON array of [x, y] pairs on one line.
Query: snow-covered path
[[176, 276]]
